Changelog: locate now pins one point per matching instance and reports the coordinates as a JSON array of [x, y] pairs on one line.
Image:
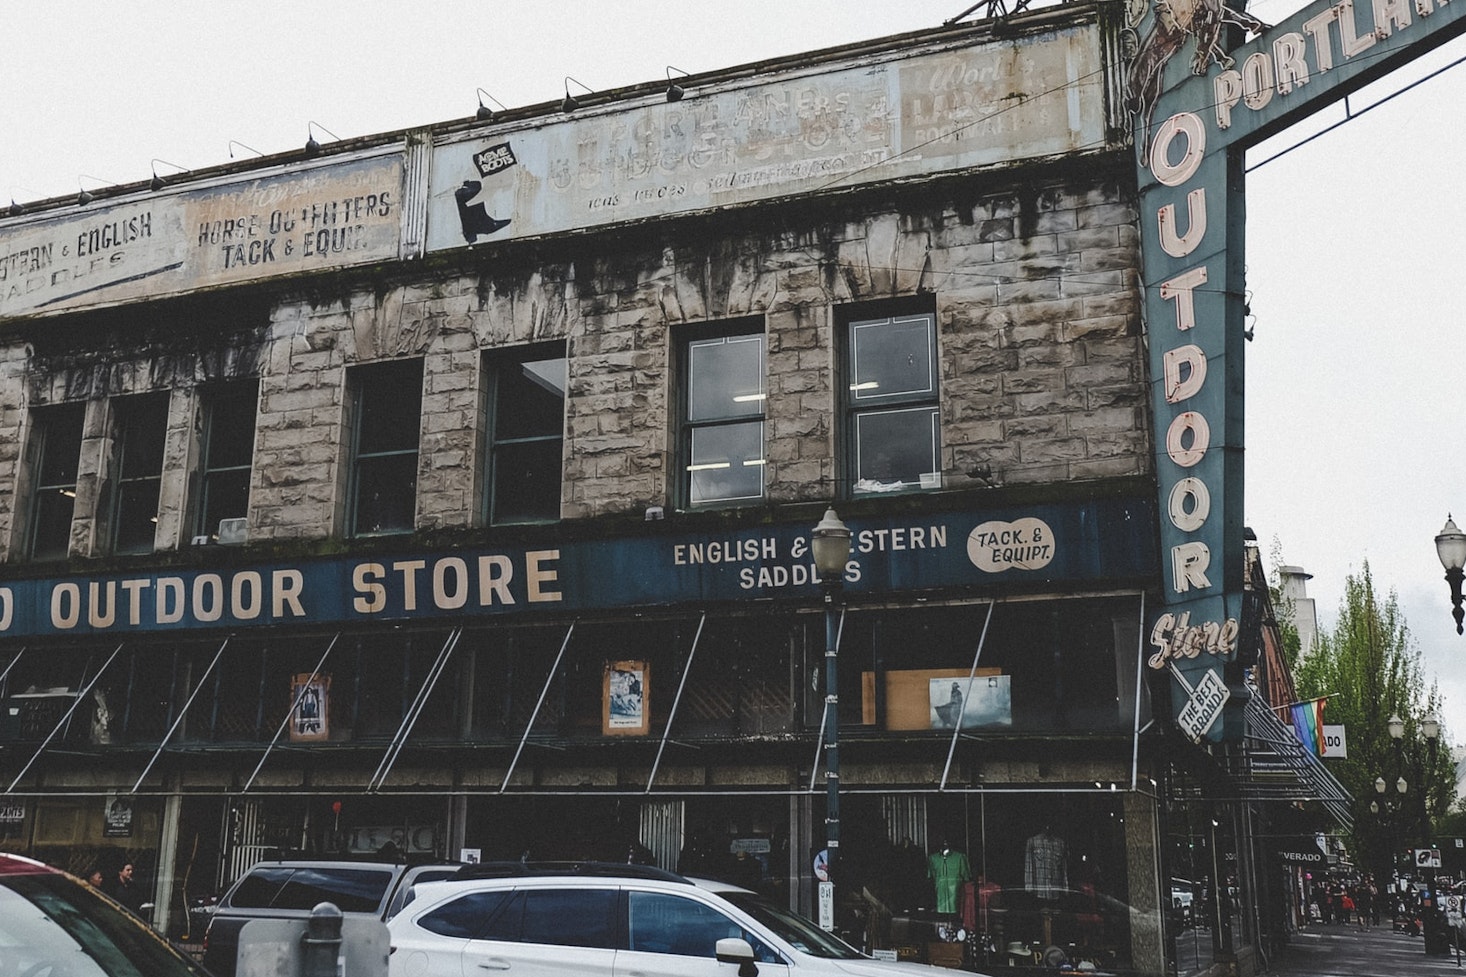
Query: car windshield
[[793, 929], [78, 933]]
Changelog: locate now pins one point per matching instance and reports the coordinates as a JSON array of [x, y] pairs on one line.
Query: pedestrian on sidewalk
[[1347, 907], [1365, 901]]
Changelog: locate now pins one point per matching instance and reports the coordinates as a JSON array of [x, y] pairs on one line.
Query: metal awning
[[1275, 766]]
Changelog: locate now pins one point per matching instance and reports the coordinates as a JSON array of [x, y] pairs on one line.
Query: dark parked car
[[290, 888], [52, 923]]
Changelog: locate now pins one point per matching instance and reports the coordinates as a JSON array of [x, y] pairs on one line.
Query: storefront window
[[1044, 666], [1204, 893]]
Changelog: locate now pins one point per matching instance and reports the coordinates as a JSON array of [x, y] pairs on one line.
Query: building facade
[[449, 492]]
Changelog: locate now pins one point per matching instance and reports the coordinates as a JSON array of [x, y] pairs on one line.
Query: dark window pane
[[571, 917], [137, 516], [58, 439], [527, 436], [51, 532], [505, 926], [895, 446], [660, 923], [386, 493], [725, 378], [388, 399], [391, 405], [228, 454], [352, 890], [143, 428], [727, 463], [464, 918], [260, 887], [142, 425], [61, 444], [892, 357], [530, 399], [231, 430], [527, 479], [226, 496]]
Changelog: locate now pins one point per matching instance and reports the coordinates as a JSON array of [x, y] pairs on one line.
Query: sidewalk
[[1338, 951]]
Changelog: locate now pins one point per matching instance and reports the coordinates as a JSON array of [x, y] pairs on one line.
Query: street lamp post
[[1437, 935], [1450, 546], [1430, 728], [1387, 807], [1432, 917], [830, 542]]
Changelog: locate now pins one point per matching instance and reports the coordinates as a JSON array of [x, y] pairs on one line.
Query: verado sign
[[1196, 106]]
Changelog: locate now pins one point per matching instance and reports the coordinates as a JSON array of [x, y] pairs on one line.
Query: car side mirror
[[735, 950]]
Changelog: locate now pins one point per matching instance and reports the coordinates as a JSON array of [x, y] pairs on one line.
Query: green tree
[[1369, 668]]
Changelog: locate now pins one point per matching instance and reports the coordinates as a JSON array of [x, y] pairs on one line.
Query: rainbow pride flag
[[1308, 725]]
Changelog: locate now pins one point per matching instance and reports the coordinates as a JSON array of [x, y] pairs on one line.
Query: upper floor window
[[892, 419], [227, 453], [526, 434], [141, 430], [722, 440], [56, 455], [386, 410]]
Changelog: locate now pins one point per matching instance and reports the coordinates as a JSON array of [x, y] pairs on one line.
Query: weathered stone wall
[[1038, 324]]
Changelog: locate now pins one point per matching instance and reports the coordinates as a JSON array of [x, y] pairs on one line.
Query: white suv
[[611, 921]]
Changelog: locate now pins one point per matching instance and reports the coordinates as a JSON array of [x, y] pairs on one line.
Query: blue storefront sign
[[1045, 545]]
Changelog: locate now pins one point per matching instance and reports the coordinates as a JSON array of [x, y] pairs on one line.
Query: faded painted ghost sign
[[795, 132], [283, 223], [1196, 106]]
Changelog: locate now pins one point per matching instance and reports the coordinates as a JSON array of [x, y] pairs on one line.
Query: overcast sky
[[1354, 414]]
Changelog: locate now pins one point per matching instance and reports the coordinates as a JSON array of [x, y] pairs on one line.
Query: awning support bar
[[64, 719], [971, 673], [414, 711], [181, 713], [1139, 681], [294, 705], [17, 658], [682, 684], [529, 726]]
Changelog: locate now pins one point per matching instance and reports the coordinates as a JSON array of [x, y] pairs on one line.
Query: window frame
[[495, 364], [367, 381], [130, 415], [48, 421], [856, 405], [722, 332], [235, 394]]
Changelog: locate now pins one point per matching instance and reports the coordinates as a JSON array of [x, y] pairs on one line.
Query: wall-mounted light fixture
[[16, 209], [484, 113], [570, 104], [86, 196], [674, 90], [312, 147], [158, 182], [236, 142]]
